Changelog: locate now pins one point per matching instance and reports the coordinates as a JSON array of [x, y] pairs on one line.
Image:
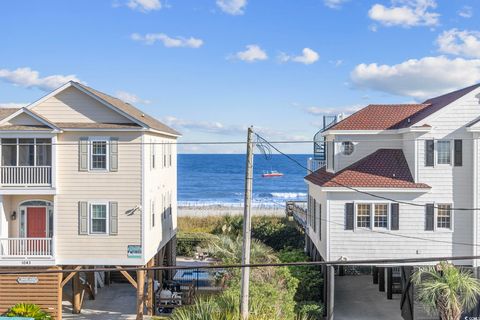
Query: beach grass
[[198, 224]]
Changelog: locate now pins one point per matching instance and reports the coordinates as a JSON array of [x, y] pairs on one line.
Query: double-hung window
[[381, 215], [444, 216], [372, 215], [98, 218], [444, 152], [98, 154], [364, 211]]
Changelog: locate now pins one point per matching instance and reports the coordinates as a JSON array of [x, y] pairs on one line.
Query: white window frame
[[435, 215], [90, 153], [436, 142], [17, 151], [107, 217], [342, 149], [372, 215]]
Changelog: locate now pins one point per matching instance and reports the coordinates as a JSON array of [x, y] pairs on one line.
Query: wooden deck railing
[[25, 247], [25, 175], [297, 210]]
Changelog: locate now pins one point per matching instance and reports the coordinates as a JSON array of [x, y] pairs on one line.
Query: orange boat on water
[[271, 174]]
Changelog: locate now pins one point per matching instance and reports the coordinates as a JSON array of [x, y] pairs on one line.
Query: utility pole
[[247, 224]]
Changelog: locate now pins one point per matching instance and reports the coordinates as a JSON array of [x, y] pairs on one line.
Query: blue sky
[[210, 68]]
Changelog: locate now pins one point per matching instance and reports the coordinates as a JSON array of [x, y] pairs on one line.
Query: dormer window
[[347, 148]]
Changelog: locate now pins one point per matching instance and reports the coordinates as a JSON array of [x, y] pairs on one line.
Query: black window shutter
[[429, 217], [349, 216], [429, 153], [458, 153], [320, 221], [394, 216]]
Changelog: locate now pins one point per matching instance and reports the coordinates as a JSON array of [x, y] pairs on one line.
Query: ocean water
[[210, 179]]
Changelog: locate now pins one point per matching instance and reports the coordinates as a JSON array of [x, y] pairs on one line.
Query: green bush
[[310, 310], [310, 277], [29, 311], [187, 243], [276, 232]]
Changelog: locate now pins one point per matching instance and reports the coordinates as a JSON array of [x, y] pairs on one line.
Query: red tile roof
[[385, 168], [397, 116], [379, 117]]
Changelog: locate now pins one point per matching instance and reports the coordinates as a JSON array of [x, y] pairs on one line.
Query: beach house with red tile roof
[[393, 179]]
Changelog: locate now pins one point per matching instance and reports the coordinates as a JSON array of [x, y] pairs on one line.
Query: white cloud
[[169, 42], [234, 7], [308, 57], [418, 78], [144, 5], [252, 53], [405, 13], [336, 110], [464, 43], [28, 78], [13, 105], [203, 126], [334, 4], [466, 12], [131, 98]]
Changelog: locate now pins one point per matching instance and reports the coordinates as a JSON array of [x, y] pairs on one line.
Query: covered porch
[[27, 230]]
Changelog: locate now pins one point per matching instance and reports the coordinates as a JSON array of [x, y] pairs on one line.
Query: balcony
[[314, 165], [21, 251], [25, 175], [26, 162]]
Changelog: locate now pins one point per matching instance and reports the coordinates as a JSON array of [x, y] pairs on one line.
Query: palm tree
[[446, 290]]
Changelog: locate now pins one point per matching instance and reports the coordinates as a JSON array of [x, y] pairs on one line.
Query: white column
[[3, 220]]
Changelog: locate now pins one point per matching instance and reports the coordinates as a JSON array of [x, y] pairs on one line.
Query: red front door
[[36, 222]]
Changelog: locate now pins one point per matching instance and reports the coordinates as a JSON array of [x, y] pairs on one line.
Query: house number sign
[[27, 280]]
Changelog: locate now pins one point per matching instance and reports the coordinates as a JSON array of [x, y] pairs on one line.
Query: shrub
[[309, 277], [310, 310], [29, 311], [187, 243]]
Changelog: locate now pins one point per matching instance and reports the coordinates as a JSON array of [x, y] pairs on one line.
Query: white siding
[[160, 186], [449, 184], [318, 238], [363, 146], [71, 105]]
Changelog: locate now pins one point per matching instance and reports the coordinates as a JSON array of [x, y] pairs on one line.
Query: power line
[[394, 234], [405, 261], [228, 142], [355, 189]]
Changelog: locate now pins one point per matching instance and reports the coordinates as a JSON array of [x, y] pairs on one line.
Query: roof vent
[[143, 114], [393, 175]]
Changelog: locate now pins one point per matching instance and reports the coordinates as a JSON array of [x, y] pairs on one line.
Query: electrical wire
[[357, 190], [251, 265]]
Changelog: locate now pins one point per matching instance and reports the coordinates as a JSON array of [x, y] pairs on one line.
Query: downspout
[[475, 198]]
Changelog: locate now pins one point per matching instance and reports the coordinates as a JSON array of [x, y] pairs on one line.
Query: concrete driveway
[[117, 301], [356, 297]]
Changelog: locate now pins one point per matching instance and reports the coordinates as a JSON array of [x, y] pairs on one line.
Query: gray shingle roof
[[130, 110]]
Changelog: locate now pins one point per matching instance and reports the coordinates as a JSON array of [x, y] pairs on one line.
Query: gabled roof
[[123, 108], [6, 112], [131, 110], [385, 168], [9, 115], [398, 116]]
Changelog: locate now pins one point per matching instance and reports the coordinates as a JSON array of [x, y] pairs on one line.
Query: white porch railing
[[314, 165], [26, 175], [25, 247]]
